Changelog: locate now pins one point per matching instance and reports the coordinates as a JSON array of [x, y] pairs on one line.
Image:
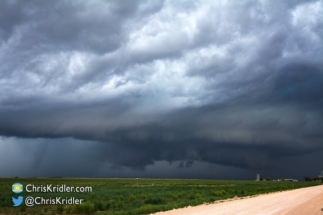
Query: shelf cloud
[[141, 86]]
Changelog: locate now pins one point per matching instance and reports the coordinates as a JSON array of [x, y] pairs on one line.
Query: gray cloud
[[233, 84]]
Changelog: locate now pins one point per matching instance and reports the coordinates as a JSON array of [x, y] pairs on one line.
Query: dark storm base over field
[[148, 88]]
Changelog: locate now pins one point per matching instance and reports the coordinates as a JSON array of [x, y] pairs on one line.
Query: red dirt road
[[303, 201]]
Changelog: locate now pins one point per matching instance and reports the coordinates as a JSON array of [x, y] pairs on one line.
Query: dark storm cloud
[[228, 83]]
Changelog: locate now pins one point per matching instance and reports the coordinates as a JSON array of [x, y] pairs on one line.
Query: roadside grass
[[136, 196]]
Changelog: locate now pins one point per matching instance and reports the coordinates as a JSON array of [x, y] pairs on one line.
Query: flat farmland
[[134, 196]]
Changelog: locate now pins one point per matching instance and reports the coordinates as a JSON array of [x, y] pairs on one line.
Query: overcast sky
[[148, 88]]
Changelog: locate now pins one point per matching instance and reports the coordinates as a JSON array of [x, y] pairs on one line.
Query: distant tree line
[[265, 179], [307, 178]]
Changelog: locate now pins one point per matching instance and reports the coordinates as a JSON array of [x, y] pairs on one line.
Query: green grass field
[[135, 196]]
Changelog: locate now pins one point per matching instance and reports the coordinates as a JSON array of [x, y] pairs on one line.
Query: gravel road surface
[[303, 201]]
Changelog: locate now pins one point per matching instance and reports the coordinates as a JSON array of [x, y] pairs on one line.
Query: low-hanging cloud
[[228, 83]]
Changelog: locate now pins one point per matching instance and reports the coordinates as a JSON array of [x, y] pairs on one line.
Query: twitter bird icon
[[17, 201]]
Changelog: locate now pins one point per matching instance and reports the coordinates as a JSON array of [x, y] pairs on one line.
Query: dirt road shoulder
[[293, 202]]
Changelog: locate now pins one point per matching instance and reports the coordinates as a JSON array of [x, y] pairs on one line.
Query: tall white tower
[[258, 177]]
